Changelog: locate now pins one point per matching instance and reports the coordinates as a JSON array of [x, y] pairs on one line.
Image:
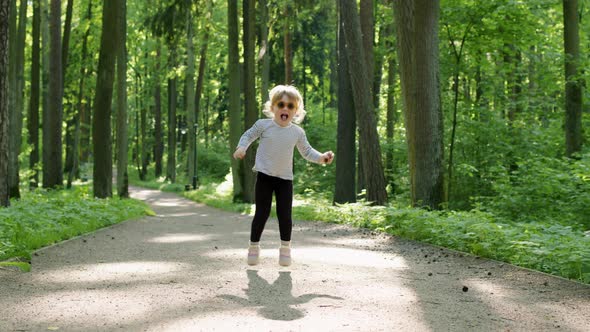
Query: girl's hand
[[240, 153], [328, 157]]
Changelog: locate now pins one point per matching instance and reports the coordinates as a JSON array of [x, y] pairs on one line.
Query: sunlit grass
[[42, 218]]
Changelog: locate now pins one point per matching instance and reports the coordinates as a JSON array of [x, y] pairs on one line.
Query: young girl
[[274, 164]]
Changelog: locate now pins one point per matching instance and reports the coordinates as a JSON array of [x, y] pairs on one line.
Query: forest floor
[[185, 270]]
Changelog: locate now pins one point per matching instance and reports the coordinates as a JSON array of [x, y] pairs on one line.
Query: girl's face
[[284, 110]]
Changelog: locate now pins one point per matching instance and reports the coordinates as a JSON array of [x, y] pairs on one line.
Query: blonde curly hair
[[276, 93]]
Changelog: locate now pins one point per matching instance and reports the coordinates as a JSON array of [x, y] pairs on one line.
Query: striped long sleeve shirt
[[274, 156]]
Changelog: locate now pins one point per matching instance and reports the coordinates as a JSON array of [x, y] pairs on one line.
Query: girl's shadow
[[275, 300]]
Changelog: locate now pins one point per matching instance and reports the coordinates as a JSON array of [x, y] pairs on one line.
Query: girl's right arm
[[247, 138]]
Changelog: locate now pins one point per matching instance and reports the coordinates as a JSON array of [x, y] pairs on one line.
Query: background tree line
[[433, 104]]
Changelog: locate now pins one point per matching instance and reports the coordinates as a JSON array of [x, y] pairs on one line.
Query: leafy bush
[[544, 189], [41, 218]]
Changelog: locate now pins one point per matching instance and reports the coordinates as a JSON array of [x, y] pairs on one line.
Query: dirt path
[[184, 270]]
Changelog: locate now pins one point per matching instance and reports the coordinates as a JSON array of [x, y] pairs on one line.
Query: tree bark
[[251, 112], [33, 116], [16, 118], [417, 31], [235, 118], [122, 122], [199, 88], [365, 115], [4, 125], [287, 45], [158, 144], [345, 191], [391, 117], [171, 161], [429, 173], [263, 54], [573, 85], [52, 148], [190, 95], [83, 108], [101, 121]]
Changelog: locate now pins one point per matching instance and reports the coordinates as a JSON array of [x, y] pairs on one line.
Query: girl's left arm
[[307, 151]]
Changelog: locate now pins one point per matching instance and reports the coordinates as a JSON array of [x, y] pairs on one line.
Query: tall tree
[[158, 144], [69, 111], [83, 107], [251, 113], [171, 159], [52, 146], [344, 191], [417, 29], [367, 22], [365, 115], [201, 80], [263, 54], [4, 26], [287, 43], [17, 49], [33, 116], [190, 95], [101, 120], [235, 118], [573, 85], [122, 122]]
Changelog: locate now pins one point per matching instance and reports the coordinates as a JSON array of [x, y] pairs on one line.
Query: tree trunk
[[417, 29], [16, 110], [190, 95], [404, 20], [345, 191], [235, 123], [573, 85], [391, 117], [199, 92], [82, 106], [365, 115], [171, 160], [287, 45], [458, 55], [66, 38], [429, 172], [101, 121], [122, 122], [33, 116], [367, 23], [263, 54], [158, 144], [251, 112], [52, 148], [70, 113], [4, 46]]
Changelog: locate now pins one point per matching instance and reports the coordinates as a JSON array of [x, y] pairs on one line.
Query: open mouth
[[284, 117]]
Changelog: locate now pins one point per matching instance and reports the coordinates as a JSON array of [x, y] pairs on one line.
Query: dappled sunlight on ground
[[351, 257], [179, 238], [73, 306], [177, 215], [113, 272], [171, 203], [500, 297]]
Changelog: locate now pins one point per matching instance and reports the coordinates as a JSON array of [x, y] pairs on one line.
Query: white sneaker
[[253, 255], [284, 256]]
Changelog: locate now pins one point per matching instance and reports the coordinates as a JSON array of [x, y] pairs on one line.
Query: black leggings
[[283, 189]]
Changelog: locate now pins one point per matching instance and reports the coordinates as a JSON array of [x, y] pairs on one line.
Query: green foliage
[[555, 191], [41, 218]]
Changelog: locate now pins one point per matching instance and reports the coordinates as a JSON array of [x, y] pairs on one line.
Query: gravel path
[[184, 270]]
